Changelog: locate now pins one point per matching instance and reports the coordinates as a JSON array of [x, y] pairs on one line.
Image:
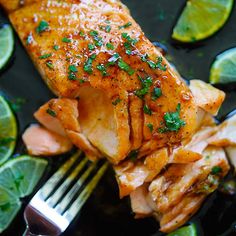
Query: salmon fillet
[[120, 98]]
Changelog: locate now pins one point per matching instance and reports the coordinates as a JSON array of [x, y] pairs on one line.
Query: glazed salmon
[[119, 98]]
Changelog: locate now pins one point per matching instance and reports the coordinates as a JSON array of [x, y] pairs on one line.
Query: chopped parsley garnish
[[72, 71], [88, 64], [110, 46], [29, 39], [43, 26], [152, 64], [125, 26], [129, 43], [49, 65], [81, 33], [147, 110], [125, 67], [133, 155], [72, 76], [146, 83], [103, 69], [113, 59], [7, 140], [51, 112], [108, 28], [66, 40], [17, 103], [44, 56], [156, 93], [91, 46], [172, 121], [118, 100], [216, 170], [73, 68], [56, 47], [150, 126], [97, 40]]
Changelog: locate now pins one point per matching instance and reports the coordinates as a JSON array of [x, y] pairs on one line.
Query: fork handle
[[28, 233]]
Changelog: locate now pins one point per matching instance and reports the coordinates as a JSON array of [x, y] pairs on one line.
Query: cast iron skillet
[[104, 213]]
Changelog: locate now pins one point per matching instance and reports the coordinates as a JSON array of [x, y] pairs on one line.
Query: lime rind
[[8, 129], [223, 69], [201, 19], [190, 230], [6, 44]]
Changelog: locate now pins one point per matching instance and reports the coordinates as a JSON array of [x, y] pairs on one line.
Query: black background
[[104, 213]]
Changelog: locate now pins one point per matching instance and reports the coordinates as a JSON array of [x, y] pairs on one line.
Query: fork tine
[[58, 176], [60, 208], [71, 213], [53, 200]]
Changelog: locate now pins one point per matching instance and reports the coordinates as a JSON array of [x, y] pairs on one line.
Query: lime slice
[[189, 230], [8, 131], [6, 44], [201, 19], [9, 206], [223, 69], [20, 175]]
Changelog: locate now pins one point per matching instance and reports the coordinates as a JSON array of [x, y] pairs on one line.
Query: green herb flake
[[66, 40], [117, 101], [72, 76], [56, 47], [216, 170], [81, 33], [108, 28], [113, 59], [43, 26], [49, 65], [91, 46], [73, 68], [97, 40], [147, 110], [88, 64], [133, 155], [44, 56], [129, 44], [125, 67], [150, 126], [156, 93], [110, 46], [102, 69], [17, 103], [51, 112], [172, 121], [125, 26], [146, 83]]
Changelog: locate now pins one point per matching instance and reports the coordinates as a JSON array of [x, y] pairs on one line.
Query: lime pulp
[[223, 69], [6, 44], [8, 131]]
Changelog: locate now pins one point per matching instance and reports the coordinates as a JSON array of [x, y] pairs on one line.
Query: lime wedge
[[223, 69], [20, 175], [189, 230], [8, 131], [9, 206], [201, 19], [6, 44]]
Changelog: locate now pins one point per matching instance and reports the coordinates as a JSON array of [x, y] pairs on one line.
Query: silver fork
[[57, 203]]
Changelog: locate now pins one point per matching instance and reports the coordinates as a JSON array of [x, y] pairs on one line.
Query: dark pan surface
[[104, 214]]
